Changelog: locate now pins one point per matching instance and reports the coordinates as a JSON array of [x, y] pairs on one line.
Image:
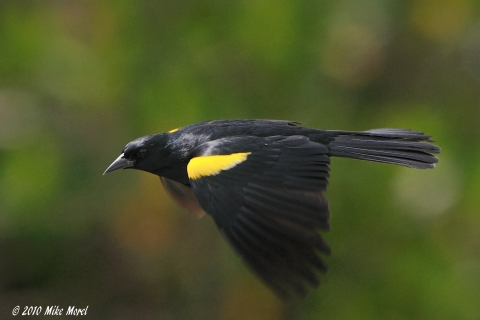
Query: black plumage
[[263, 181]]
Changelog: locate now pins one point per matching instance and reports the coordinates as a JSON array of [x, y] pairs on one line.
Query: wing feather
[[270, 207], [183, 196]]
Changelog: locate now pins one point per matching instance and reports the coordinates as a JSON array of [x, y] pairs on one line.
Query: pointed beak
[[120, 163]]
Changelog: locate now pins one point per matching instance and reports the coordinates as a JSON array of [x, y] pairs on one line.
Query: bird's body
[[263, 181], [180, 142]]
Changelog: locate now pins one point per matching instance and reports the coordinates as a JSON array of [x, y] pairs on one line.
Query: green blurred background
[[80, 79]]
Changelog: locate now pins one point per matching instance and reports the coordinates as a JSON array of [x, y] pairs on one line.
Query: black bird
[[263, 181]]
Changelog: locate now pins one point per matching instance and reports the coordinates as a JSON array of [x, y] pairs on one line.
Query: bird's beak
[[120, 163]]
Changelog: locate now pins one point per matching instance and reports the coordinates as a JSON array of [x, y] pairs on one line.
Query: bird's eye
[[142, 152]]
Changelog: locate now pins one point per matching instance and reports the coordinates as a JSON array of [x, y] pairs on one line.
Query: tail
[[395, 146]]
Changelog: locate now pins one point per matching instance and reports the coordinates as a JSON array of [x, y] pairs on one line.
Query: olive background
[[80, 79]]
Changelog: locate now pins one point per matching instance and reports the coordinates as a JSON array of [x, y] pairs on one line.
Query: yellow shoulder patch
[[173, 130], [211, 165]]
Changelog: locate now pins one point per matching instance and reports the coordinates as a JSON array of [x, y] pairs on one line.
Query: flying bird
[[263, 183]]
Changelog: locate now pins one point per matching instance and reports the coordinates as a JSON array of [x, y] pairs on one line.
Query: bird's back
[[218, 129]]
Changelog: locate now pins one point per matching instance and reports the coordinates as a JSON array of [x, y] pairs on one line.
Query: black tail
[[395, 146]]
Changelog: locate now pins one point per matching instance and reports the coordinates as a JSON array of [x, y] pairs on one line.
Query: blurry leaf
[[22, 40], [441, 19], [244, 299], [354, 51], [139, 223], [20, 118], [71, 72], [267, 29], [431, 193], [31, 176]]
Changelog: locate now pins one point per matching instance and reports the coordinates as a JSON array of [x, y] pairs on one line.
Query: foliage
[[79, 79]]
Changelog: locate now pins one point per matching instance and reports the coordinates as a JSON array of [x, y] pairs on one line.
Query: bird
[[263, 183]]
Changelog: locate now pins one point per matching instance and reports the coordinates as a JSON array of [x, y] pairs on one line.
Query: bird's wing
[[266, 196], [183, 196]]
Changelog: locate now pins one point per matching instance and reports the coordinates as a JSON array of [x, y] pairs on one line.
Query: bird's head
[[147, 153]]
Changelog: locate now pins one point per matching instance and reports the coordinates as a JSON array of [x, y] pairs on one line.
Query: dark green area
[[80, 79]]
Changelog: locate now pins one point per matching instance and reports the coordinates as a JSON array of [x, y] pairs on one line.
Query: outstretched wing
[[266, 196]]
